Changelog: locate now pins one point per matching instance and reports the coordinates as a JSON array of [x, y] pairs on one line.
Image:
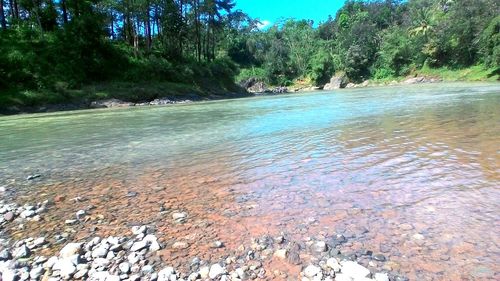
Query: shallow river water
[[413, 172]]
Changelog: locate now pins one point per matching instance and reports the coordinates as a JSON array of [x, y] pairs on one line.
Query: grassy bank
[[477, 73], [61, 98]]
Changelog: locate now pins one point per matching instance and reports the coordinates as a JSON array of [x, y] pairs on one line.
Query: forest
[[54, 51]]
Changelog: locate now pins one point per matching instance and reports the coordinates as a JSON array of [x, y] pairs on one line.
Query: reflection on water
[[396, 161]]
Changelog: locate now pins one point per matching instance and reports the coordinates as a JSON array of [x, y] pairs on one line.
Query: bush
[[490, 43], [254, 72]]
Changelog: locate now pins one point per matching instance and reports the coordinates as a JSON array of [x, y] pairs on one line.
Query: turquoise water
[[427, 155]]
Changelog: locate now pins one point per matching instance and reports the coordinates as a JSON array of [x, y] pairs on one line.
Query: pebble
[[9, 216], [66, 268], [70, 222], [180, 217], [80, 274], [80, 214], [100, 252], [36, 272], [137, 246], [5, 255], [333, 264], [22, 252], [319, 247], [281, 253], [215, 271], [131, 258], [136, 230], [217, 244], [293, 257], [379, 257], [70, 249], [204, 271], [418, 236], [311, 271], [32, 177], [354, 270], [381, 277], [180, 245], [166, 274], [27, 214]]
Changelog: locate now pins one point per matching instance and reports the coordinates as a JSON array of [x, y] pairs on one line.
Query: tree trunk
[[16, 9], [36, 11], [147, 25], [181, 31], [3, 21], [129, 37], [135, 30], [64, 9], [112, 25], [198, 29], [12, 11]]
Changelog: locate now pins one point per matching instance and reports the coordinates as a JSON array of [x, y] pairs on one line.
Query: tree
[[3, 21]]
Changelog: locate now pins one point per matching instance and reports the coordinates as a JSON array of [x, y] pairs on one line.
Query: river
[[412, 172]]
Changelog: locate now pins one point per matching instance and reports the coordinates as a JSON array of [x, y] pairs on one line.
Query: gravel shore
[[136, 256]]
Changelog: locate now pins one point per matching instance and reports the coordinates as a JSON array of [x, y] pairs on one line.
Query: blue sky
[[269, 11]]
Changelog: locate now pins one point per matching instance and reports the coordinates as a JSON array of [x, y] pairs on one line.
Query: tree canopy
[[49, 44]]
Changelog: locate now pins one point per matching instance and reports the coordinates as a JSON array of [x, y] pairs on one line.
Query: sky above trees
[[270, 11]]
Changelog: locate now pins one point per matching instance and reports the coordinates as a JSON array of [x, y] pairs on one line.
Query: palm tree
[[423, 24]]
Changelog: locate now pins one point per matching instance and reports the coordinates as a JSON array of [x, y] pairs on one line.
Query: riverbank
[[126, 94], [424, 75], [114, 94]]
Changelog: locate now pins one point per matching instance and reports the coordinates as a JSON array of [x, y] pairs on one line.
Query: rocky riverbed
[[136, 255]]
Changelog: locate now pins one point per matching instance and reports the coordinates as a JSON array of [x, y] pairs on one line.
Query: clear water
[[398, 161]]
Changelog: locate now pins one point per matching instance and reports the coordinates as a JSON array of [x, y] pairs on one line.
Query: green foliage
[[490, 43], [321, 67], [253, 72], [49, 50]]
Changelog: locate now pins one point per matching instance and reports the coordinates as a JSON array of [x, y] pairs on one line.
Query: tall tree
[[3, 21]]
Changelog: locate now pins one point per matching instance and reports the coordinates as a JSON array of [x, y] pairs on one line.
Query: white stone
[[418, 236], [216, 270], [179, 216], [354, 270], [136, 230], [36, 272], [66, 268], [100, 252], [311, 271], [70, 249], [22, 252], [319, 246], [282, 253], [153, 243], [133, 258], [124, 267], [137, 246], [50, 262], [9, 275], [166, 274], [100, 262], [381, 277], [27, 214], [204, 271], [333, 264]]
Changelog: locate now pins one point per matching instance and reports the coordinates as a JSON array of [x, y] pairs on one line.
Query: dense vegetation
[[376, 40], [56, 50]]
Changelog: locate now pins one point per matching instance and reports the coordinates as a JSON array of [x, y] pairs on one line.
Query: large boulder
[[336, 82], [254, 85], [110, 103], [259, 87]]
